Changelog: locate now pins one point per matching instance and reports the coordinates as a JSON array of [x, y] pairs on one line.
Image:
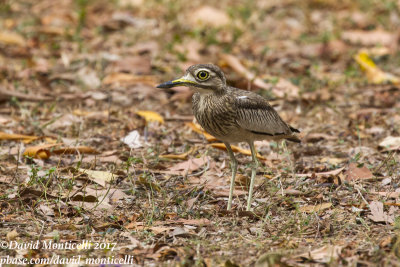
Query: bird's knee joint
[[256, 164], [234, 164]]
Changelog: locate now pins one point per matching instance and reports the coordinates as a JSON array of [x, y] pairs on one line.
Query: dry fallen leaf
[[100, 177], [315, 208], [55, 30], [11, 38], [369, 38], [63, 122], [130, 3], [374, 74], [292, 192], [180, 231], [75, 150], [88, 194], [241, 180], [390, 143], [208, 16], [117, 194], [333, 161], [39, 151], [191, 49], [377, 213], [47, 211], [197, 128], [89, 78], [202, 221], [150, 116], [321, 174], [127, 79], [4, 120], [175, 156], [224, 192], [7, 93], [28, 192], [139, 65], [165, 226], [281, 89], [179, 156], [24, 138], [356, 173], [12, 235], [190, 165], [43, 152], [159, 229], [388, 194], [99, 115], [386, 241], [324, 254]]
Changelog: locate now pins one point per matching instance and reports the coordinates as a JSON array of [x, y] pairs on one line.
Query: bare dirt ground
[[92, 152]]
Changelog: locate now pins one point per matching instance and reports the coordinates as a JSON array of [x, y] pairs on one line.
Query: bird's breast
[[215, 114]]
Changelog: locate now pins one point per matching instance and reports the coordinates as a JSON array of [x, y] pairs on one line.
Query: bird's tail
[[294, 129], [293, 139]]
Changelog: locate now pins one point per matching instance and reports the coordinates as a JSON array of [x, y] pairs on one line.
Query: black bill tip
[[168, 84]]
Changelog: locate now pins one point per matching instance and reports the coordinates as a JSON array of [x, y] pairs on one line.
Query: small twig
[[318, 233], [390, 156], [41, 231], [109, 100], [362, 197], [16, 168], [25, 97], [280, 183]]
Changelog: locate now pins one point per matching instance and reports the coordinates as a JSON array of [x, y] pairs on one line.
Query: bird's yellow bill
[[176, 82]]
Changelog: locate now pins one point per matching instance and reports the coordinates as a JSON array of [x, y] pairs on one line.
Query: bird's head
[[204, 78]]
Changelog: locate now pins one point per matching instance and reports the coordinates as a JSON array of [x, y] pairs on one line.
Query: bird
[[232, 115]]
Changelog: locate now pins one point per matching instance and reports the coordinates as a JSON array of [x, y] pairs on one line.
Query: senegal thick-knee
[[232, 115]]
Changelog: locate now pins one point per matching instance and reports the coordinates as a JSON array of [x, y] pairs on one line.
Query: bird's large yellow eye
[[203, 75]]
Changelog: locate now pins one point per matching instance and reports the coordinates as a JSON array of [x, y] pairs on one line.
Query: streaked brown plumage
[[232, 115]]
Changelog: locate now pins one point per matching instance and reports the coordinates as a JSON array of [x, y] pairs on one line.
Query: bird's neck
[[215, 92]]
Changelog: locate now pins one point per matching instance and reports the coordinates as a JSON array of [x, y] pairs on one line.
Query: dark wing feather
[[256, 115]]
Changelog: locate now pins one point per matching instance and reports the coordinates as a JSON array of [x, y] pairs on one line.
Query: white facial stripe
[[189, 77], [241, 97]]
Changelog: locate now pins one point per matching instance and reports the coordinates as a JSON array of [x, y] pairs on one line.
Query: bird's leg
[[253, 173], [234, 169]]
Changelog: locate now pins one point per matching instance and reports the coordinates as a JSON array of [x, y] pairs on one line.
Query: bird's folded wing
[[257, 116]]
